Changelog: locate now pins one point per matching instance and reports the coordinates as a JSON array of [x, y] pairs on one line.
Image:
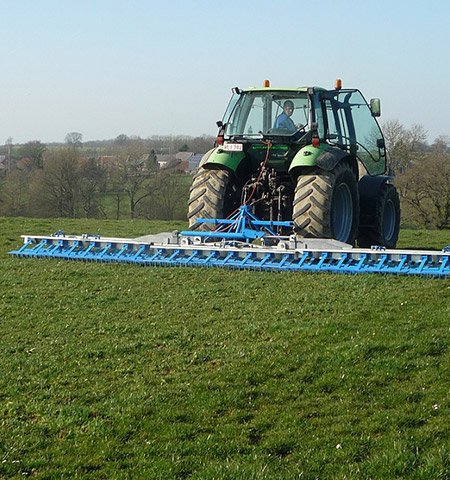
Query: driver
[[284, 120]]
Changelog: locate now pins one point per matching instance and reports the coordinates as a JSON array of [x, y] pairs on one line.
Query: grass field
[[116, 371]]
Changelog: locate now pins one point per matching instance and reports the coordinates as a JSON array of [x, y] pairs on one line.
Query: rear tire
[[213, 194], [326, 204], [386, 220]]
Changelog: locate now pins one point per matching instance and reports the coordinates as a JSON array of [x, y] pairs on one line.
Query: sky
[[134, 67]]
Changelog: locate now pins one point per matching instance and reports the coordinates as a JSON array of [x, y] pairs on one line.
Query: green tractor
[[312, 156]]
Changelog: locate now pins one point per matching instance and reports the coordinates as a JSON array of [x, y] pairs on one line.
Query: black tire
[[212, 195], [326, 204], [386, 220]]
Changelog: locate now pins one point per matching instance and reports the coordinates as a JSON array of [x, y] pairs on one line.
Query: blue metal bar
[[381, 262], [103, 253], [175, 254], [303, 259], [53, 251], [122, 251], [402, 262], [322, 260], [25, 246], [241, 226], [85, 252], [190, 258], [208, 259], [265, 259], [71, 249], [342, 260], [136, 255], [248, 234], [153, 257], [422, 263], [225, 260], [443, 263], [39, 247], [283, 260]]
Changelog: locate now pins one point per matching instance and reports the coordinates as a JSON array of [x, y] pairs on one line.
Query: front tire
[[326, 204], [213, 194]]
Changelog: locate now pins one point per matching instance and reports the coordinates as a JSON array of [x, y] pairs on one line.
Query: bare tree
[[425, 191], [134, 166], [14, 193], [74, 139], [92, 180], [441, 144], [114, 184], [201, 144], [8, 145], [169, 193], [122, 139], [417, 138], [404, 146], [34, 150], [54, 191]]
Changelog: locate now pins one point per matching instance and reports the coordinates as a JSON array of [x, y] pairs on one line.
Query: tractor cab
[[293, 117]]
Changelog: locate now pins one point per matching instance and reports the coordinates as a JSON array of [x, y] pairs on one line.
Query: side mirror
[[375, 107], [219, 123]]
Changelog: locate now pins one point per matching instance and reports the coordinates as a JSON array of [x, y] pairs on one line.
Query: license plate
[[232, 147]]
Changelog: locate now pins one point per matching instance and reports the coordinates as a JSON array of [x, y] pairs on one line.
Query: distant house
[[24, 163], [194, 162], [187, 162], [166, 160], [183, 156], [183, 166], [192, 158]]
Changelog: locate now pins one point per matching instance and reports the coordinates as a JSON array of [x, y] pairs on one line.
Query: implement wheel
[[213, 195], [326, 204], [385, 214]]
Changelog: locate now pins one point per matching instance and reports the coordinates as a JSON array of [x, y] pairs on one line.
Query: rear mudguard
[[324, 156], [217, 158]]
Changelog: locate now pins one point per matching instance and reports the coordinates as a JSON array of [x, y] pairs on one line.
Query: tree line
[[116, 179], [422, 174], [68, 180]]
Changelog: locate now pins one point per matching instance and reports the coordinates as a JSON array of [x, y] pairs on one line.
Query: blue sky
[[103, 68]]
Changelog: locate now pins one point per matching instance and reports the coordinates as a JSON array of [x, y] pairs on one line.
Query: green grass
[[116, 371]]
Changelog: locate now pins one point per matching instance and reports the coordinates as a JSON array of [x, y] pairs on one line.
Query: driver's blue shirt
[[285, 121]]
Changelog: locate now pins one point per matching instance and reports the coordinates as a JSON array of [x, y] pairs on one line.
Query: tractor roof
[[283, 89]]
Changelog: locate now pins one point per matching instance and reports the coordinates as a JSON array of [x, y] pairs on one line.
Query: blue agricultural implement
[[232, 245]]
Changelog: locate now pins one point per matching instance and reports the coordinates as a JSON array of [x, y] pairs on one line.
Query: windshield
[[269, 113]]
